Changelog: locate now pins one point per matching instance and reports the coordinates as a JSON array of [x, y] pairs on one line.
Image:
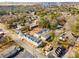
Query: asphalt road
[[24, 54]]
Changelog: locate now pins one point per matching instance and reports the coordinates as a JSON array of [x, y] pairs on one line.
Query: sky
[[39, 0]]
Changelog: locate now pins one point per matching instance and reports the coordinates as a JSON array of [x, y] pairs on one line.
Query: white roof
[[1, 31], [32, 25], [78, 39]]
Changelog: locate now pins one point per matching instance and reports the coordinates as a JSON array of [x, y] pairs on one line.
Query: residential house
[[47, 49], [46, 37], [35, 41], [43, 34], [67, 35], [19, 26], [69, 38], [63, 36], [33, 24], [43, 31], [59, 26]]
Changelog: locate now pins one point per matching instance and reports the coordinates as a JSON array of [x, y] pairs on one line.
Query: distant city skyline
[[39, 0]]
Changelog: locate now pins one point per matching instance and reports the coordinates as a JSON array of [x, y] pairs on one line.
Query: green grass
[[77, 55]]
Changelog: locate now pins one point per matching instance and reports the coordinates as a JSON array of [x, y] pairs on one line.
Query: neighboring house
[[43, 31], [58, 31], [33, 24], [19, 26], [69, 38], [59, 26], [47, 49], [43, 34], [35, 41], [46, 37], [67, 35], [63, 36]]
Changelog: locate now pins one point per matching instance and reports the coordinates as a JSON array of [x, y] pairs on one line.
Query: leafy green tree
[[53, 26], [2, 12], [77, 55], [44, 23], [52, 35], [54, 15]]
